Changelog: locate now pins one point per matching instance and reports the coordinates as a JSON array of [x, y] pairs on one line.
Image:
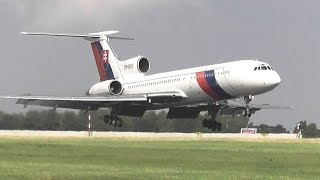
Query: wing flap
[[183, 112]]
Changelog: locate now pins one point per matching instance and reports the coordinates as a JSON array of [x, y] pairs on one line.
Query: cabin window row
[[211, 74], [154, 83]]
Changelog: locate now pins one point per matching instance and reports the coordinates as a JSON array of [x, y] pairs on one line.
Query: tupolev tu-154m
[[127, 90]]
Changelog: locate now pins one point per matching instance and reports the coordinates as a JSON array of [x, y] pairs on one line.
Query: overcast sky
[[173, 34]]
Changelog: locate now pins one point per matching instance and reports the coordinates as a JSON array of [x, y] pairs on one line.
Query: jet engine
[[134, 67], [109, 87]]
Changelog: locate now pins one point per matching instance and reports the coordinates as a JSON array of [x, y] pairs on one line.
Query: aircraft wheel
[[210, 123], [214, 125], [111, 121], [120, 123], [244, 113], [106, 119], [248, 111], [115, 121], [205, 123], [219, 126]]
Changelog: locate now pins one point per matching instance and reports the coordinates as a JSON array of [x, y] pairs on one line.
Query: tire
[[106, 119], [115, 121], [214, 126], [244, 113], [219, 126], [111, 120], [120, 123], [205, 123]]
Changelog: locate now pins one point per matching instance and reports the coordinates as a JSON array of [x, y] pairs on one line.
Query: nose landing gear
[[247, 112]]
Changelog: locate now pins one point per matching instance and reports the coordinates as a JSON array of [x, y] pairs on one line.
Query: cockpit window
[[263, 67]]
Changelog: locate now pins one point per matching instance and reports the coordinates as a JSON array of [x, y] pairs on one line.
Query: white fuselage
[[207, 83]]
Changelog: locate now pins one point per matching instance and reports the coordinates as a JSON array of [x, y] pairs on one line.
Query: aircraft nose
[[276, 79], [273, 80]]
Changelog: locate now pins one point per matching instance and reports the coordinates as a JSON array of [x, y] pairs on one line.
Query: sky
[[173, 34]]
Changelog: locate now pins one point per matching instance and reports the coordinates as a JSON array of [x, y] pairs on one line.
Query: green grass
[[94, 158]]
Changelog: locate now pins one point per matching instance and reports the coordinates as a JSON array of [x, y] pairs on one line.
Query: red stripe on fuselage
[[99, 62], [205, 86]]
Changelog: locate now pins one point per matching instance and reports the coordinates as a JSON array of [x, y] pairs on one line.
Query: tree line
[[152, 121], [308, 130]]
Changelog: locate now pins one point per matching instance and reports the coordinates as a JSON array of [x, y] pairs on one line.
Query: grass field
[[94, 158]]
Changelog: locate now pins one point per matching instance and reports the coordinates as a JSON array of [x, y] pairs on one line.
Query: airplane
[[127, 90]]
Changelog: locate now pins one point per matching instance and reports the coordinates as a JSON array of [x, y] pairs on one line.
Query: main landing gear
[[214, 111], [113, 120], [212, 124]]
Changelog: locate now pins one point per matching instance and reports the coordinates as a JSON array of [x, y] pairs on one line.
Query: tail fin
[[106, 59], [102, 58]]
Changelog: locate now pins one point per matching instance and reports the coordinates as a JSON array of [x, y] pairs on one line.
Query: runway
[[144, 135]]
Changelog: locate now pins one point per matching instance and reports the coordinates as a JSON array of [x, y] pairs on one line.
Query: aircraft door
[[227, 73]]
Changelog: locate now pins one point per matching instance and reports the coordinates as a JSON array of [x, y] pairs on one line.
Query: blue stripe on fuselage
[[211, 79]]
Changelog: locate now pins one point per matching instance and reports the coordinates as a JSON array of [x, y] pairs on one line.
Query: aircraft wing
[[82, 102], [96, 102], [241, 105], [230, 107]]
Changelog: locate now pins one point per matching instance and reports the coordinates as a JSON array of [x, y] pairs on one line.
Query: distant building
[[263, 128]]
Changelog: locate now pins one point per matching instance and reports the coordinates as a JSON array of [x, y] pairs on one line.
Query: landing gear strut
[[247, 112]]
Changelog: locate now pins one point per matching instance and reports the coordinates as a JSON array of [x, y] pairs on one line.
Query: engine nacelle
[[109, 87], [137, 66]]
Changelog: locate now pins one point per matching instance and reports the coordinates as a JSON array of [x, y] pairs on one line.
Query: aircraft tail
[[106, 60]]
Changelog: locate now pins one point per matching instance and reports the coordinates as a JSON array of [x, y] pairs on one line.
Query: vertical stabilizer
[[103, 58]]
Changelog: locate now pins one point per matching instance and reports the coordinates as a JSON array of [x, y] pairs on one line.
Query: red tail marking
[[99, 62]]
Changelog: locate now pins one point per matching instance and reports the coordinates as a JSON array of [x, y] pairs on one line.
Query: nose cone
[[276, 80], [272, 81]]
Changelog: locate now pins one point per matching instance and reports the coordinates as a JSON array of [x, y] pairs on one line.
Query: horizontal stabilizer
[[89, 36]]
